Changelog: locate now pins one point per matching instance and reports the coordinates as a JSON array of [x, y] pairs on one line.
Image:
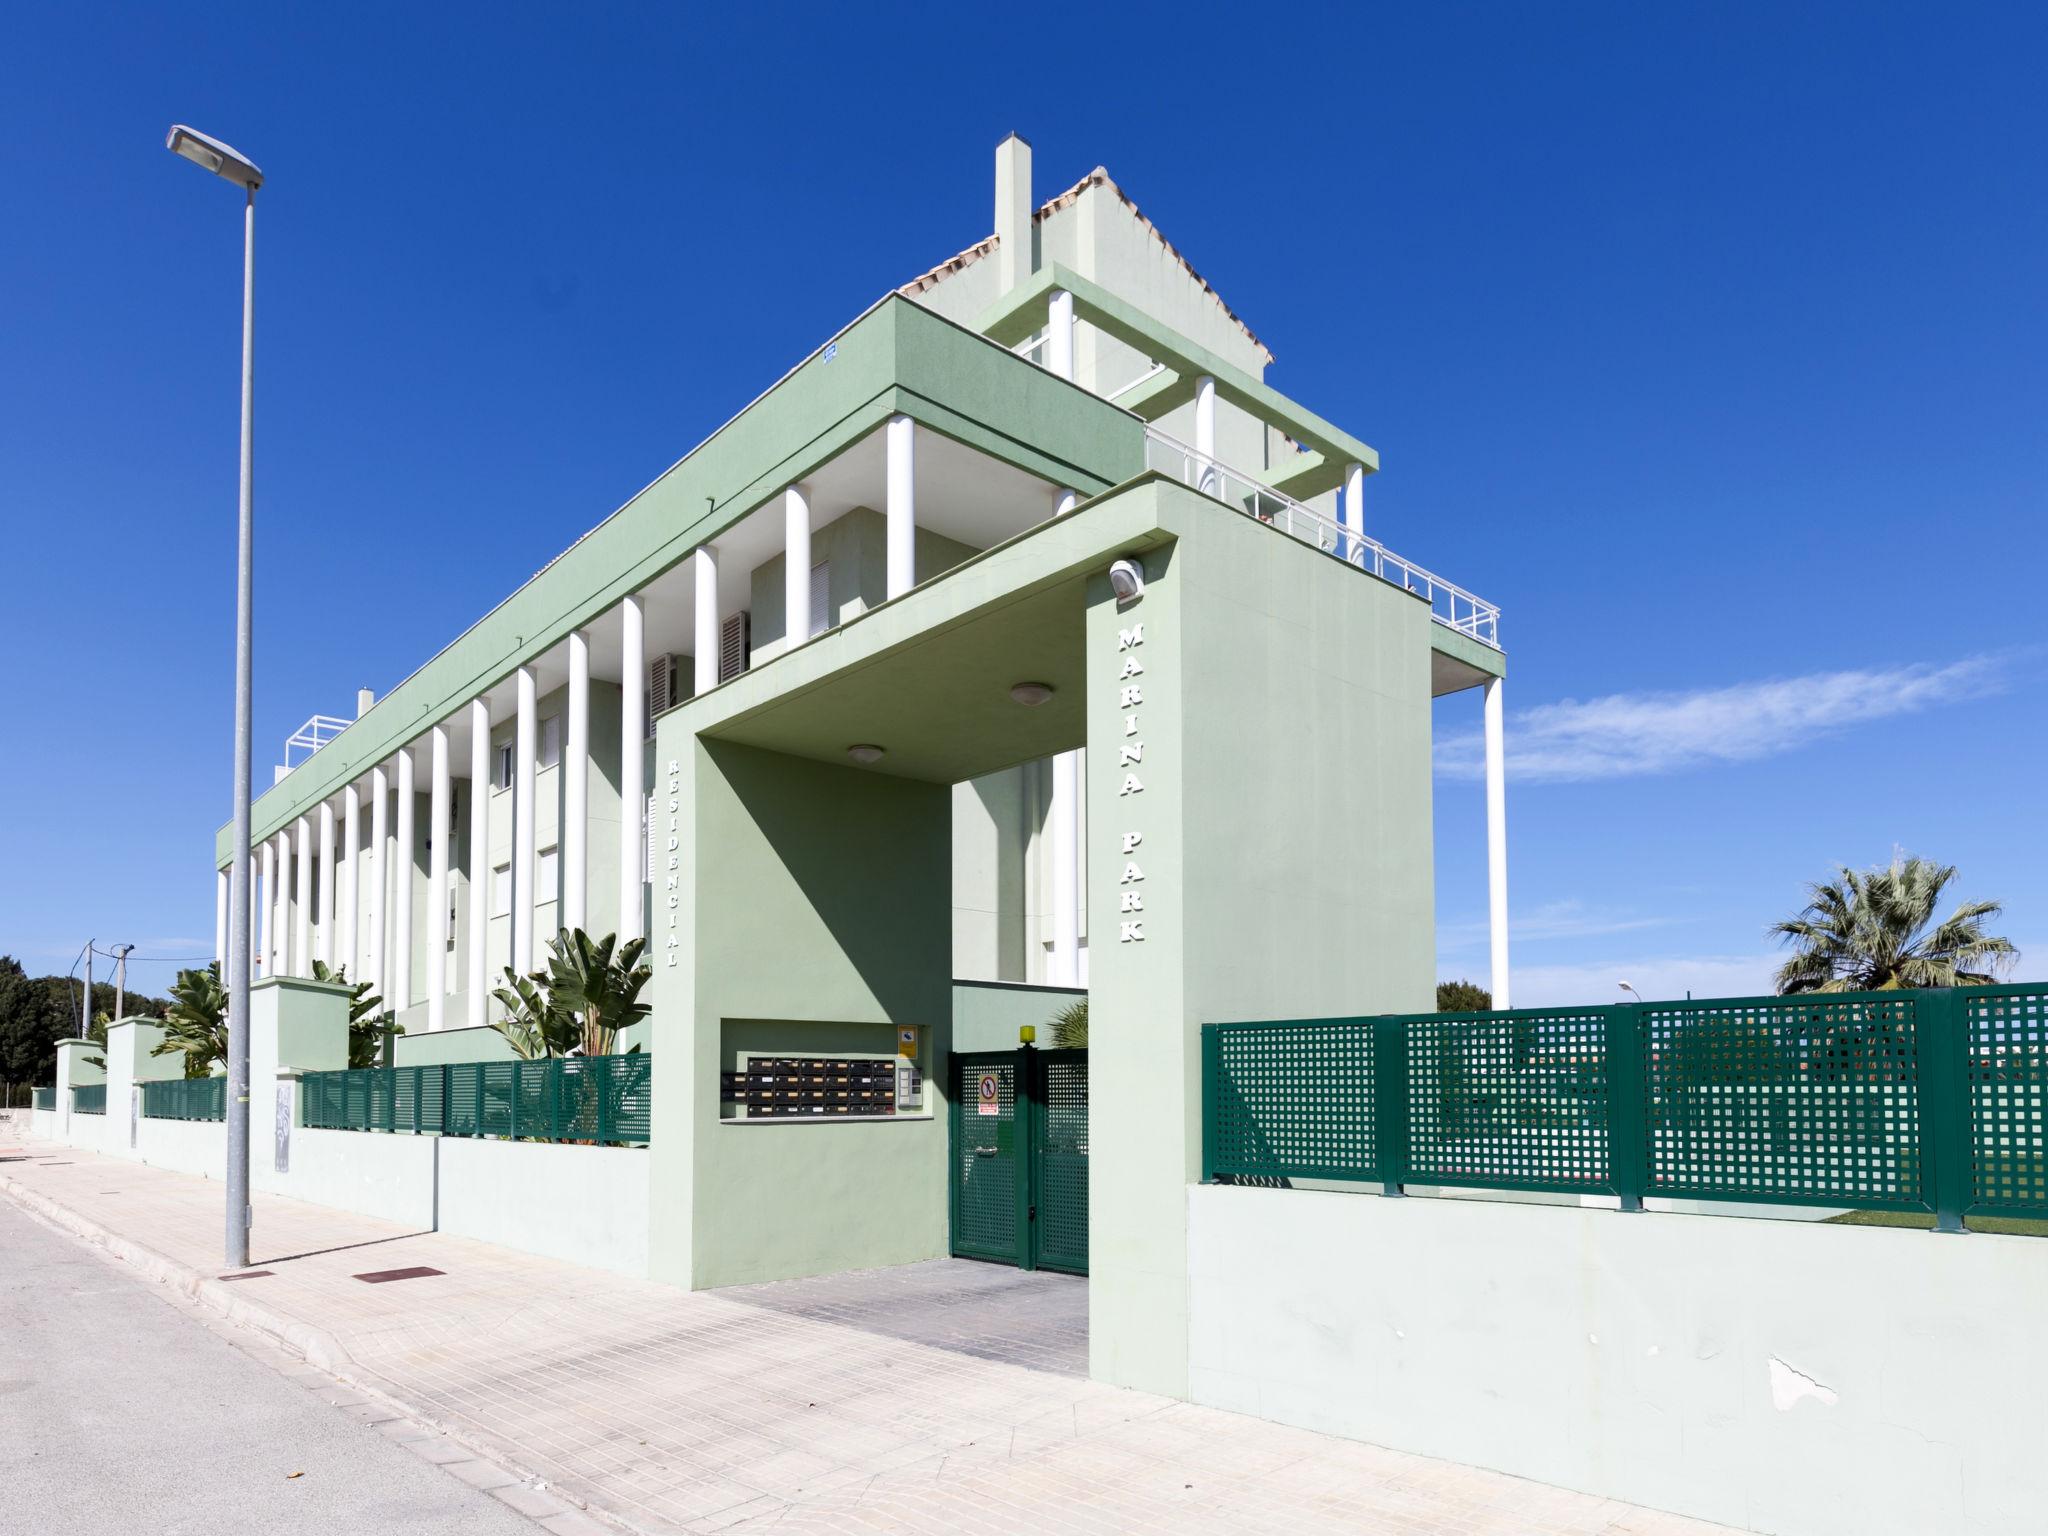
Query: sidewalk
[[782, 1405]]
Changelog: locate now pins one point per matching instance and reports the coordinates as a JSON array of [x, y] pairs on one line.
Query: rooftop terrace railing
[[1449, 604], [1933, 1101]]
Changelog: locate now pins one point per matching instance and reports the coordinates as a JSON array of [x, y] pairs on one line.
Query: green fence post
[[1626, 1048], [417, 1085], [601, 1084], [1941, 1038], [1390, 1104]]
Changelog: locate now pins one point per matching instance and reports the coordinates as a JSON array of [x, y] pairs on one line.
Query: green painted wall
[[811, 894], [1285, 867], [987, 1015], [855, 547]]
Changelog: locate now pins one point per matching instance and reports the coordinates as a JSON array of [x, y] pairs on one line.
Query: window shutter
[[660, 684], [732, 646]]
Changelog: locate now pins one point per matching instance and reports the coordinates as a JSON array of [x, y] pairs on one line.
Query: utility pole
[[121, 980], [85, 1008]]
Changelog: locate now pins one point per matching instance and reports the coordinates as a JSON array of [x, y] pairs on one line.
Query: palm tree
[[1869, 931], [196, 1024], [532, 1025], [1070, 1026]]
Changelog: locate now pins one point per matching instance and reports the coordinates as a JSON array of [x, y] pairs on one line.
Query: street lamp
[[1631, 991], [229, 164]]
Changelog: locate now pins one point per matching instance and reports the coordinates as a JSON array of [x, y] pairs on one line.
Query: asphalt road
[[122, 1411]]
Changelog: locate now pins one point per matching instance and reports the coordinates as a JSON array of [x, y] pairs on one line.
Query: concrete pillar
[[298, 961], [796, 566], [281, 903], [1206, 478], [346, 951], [377, 873], [1063, 832], [574, 839], [403, 844], [632, 766], [479, 860], [704, 579], [258, 920], [902, 504], [1497, 842], [1059, 334], [1352, 513], [1013, 213], [525, 739], [436, 927], [220, 921], [323, 918]]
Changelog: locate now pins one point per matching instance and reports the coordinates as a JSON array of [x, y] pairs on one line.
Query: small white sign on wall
[[283, 1160]]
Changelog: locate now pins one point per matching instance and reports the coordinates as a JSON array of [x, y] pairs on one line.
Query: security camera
[[1126, 580]]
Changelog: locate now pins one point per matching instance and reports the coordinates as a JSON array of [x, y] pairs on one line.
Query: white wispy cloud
[[1625, 735], [1569, 919]]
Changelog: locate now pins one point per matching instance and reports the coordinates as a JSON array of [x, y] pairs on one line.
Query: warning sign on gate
[[987, 1104]]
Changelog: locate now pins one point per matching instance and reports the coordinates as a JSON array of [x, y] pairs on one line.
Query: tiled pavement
[[943, 1397]]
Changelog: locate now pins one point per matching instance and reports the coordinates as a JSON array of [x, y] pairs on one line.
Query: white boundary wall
[[1782, 1377], [586, 1205]]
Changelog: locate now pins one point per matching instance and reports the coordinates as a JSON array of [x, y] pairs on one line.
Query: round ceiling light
[[1031, 695], [864, 752]]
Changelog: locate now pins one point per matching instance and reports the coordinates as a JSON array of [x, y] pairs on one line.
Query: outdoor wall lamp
[[864, 752], [1127, 580]]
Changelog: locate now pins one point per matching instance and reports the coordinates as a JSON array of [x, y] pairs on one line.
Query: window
[[501, 774], [550, 741], [501, 891], [546, 876]]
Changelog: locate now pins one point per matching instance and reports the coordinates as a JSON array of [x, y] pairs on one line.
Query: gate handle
[[984, 1151]]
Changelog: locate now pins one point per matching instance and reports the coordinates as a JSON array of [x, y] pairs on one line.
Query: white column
[[1063, 831], [402, 846], [351, 897], [522, 826], [704, 580], [574, 842], [257, 918], [1064, 502], [323, 919], [796, 566], [281, 897], [632, 766], [377, 875], [1497, 842], [299, 962], [902, 504], [1352, 514], [220, 921], [268, 945], [436, 928], [1059, 334], [479, 861], [1205, 434]]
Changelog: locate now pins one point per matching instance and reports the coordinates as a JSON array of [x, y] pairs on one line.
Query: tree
[[1874, 931], [578, 1005], [1070, 1026], [370, 1023], [38, 1011], [196, 1023], [1462, 997]]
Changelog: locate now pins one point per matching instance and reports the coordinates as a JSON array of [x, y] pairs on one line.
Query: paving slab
[[944, 1398]]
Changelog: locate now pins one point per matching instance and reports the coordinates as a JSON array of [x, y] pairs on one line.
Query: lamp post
[[230, 165]]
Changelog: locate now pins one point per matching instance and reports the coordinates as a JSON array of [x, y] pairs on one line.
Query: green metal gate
[[1019, 1149]]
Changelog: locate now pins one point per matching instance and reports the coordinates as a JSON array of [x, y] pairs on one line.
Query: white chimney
[[1013, 213], [364, 699]]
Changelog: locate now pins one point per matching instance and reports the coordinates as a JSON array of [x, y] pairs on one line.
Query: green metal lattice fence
[[604, 1099], [43, 1098], [89, 1099], [1932, 1100], [196, 1098]]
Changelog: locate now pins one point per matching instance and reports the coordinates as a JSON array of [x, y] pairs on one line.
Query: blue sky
[[1708, 341]]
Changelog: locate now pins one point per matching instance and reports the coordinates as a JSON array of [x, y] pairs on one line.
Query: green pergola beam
[[1021, 311]]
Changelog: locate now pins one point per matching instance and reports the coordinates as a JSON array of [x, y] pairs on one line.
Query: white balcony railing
[[1450, 605], [313, 735]]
